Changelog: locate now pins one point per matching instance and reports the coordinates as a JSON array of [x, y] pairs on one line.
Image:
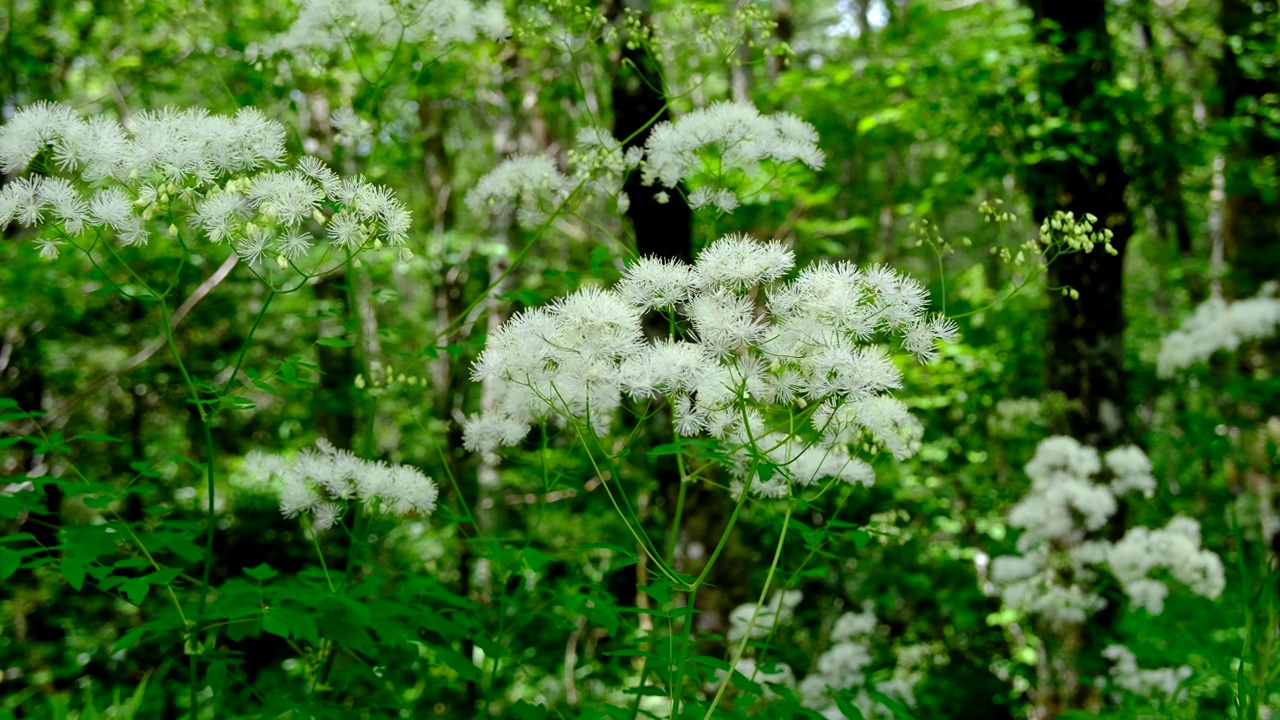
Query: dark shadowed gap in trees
[[1251, 216], [1080, 171]]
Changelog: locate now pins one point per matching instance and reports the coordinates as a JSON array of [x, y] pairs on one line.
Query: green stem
[[746, 637], [244, 349]]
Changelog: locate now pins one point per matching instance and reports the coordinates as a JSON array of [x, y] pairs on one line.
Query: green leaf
[[747, 685], [300, 624], [261, 573], [527, 711], [860, 538], [334, 342], [273, 625], [136, 589], [466, 669], [73, 571], [96, 437], [849, 709], [9, 562], [129, 639], [216, 676], [711, 662], [900, 711], [660, 590], [164, 576]]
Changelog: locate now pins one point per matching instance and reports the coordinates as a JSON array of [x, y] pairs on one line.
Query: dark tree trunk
[[1163, 163], [1084, 353], [1251, 217], [639, 102], [336, 397], [1084, 345]]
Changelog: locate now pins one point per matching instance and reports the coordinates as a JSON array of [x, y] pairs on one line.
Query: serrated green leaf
[[136, 589], [261, 573], [273, 625], [527, 711]]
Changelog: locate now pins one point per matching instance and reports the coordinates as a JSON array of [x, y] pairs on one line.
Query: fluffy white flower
[[737, 262], [658, 283], [328, 26], [728, 368], [778, 611], [1218, 325], [736, 133], [1162, 684], [321, 481], [529, 185], [1175, 548], [173, 165], [1132, 470], [851, 625]]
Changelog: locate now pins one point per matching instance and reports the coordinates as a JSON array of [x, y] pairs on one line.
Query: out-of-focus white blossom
[[727, 138], [1218, 325], [844, 668], [1174, 548], [528, 185], [1054, 577], [716, 151], [184, 170], [1132, 471], [322, 482], [330, 26], [778, 611], [1161, 684], [731, 366]]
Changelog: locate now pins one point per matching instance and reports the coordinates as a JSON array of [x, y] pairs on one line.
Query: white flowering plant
[[1059, 579], [142, 201], [782, 381], [181, 175]]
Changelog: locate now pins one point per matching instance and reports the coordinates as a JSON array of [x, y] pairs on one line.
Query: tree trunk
[[1084, 355], [1084, 346], [1251, 217]]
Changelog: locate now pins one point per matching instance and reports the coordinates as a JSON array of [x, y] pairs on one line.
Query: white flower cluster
[[1054, 576], [753, 374], [529, 185], [176, 166], [1161, 684], [709, 146], [843, 668], [712, 148], [778, 612], [327, 26], [324, 481], [1176, 549], [1219, 325]]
